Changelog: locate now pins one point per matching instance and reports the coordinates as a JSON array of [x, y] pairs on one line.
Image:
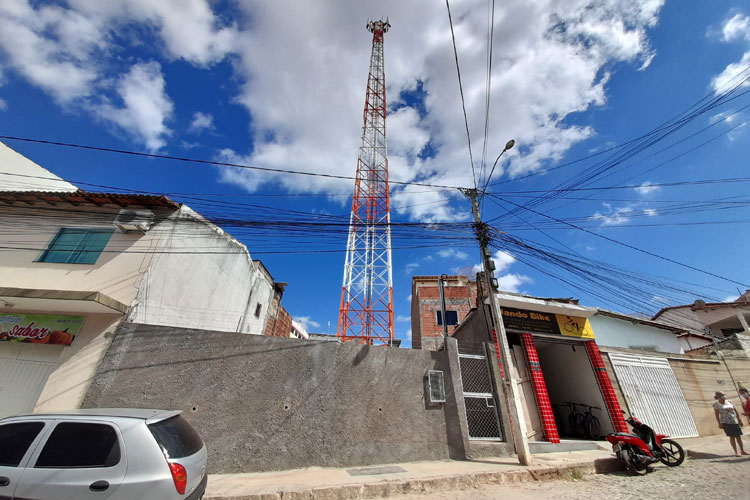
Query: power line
[[207, 162], [461, 89], [628, 245]]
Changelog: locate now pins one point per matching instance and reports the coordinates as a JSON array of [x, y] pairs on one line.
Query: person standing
[[728, 419], [745, 398]]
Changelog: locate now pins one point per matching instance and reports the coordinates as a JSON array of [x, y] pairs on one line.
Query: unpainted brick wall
[[460, 295]]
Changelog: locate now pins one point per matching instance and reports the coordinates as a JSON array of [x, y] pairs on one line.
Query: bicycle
[[575, 420], [590, 425]]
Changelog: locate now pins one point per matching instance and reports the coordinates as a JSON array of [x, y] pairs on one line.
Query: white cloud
[[302, 69], [650, 212], [408, 299], [408, 334], [730, 298], [75, 51], [512, 282], [729, 116], [448, 253], [3, 104], [503, 261], [306, 322], [402, 319], [646, 188], [201, 122], [146, 106], [729, 77], [553, 58], [411, 267], [736, 28], [613, 217]]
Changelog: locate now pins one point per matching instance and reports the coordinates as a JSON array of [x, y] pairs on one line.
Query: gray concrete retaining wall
[[267, 403]]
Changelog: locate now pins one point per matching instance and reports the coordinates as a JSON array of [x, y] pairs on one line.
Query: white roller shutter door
[[21, 382], [653, 394]]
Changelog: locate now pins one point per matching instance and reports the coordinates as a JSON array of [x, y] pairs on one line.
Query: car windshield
[[176, 437]]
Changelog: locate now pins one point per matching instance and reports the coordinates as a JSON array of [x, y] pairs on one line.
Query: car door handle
[[4, 481], [99, 486]]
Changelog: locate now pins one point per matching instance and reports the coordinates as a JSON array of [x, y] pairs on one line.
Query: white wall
[[18, 173], [205, 279], [31, 229], [614, 332], [69, 381]]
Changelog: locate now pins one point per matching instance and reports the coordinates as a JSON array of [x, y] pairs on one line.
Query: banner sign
[[539, 322], [39, 328]]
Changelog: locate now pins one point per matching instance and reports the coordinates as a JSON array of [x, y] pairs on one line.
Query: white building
[[75, 264]]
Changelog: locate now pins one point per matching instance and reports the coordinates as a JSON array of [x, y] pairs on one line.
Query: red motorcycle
[[644, 447]]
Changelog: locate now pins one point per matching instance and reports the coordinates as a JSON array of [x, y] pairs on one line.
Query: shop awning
[[62, 301]]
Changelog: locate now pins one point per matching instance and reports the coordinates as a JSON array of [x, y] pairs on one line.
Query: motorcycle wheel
[[673, 454], [633, 464]]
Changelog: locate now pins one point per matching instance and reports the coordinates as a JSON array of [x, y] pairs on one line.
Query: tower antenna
[[366, 311]]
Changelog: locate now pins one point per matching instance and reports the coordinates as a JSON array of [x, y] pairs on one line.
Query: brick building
[[426, 315]]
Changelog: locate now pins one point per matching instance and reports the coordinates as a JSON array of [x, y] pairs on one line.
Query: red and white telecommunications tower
[[366, 312]]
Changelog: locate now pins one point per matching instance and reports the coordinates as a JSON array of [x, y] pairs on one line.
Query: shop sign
[[539, 322], [39, 328]]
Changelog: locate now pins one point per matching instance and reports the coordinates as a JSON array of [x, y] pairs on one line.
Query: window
[[176, 437], [78, 445], [451, 318], [257, 310], [76, 246], [15, 439]]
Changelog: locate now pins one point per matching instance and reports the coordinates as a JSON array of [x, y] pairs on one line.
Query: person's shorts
[[732, 430]]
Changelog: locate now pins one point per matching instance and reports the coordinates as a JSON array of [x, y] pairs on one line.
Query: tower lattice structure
[[366, 312]]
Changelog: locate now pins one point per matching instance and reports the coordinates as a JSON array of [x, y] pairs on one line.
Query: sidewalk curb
[[428, 485]]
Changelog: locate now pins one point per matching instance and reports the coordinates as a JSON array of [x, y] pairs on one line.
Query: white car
[[113, 454]]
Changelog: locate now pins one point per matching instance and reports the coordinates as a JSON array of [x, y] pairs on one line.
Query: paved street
[[725, 477]]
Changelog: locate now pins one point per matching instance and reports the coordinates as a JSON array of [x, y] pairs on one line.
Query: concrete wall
[[268, 403], [206, 280], [614, 332]]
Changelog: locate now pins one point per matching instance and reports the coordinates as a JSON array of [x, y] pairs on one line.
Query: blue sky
[[281, 85]]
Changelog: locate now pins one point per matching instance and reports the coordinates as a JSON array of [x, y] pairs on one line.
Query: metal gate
[[653, 394], [479, 400]]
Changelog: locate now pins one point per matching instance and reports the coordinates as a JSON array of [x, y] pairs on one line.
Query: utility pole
[[512, 397], [441, 282]]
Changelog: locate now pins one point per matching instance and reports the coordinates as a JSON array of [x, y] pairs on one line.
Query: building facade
[[76, 264], [426, 308]]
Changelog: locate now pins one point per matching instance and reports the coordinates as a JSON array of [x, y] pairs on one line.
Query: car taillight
[[179, 474]]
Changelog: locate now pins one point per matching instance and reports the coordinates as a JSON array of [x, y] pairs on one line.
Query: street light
[[508, 145]]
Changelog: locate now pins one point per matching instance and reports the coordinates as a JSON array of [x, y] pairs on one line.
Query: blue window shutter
[[63, 245], [77, 246], [93, 243]]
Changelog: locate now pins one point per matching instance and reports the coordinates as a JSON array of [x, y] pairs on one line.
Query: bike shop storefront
[[565, 390]]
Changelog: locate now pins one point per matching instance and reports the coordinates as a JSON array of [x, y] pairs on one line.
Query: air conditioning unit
[[129, 221]]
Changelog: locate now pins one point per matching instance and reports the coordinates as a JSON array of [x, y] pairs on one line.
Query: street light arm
[[508, 145]]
